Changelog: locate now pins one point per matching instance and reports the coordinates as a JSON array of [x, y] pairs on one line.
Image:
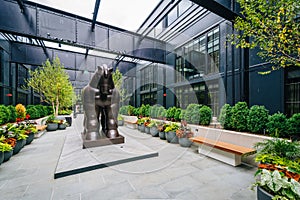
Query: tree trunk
[[57, 106]]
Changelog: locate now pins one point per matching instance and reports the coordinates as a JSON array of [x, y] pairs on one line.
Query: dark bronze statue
[[101, 104]]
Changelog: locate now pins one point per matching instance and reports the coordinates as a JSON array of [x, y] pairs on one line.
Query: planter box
[[263, 195]]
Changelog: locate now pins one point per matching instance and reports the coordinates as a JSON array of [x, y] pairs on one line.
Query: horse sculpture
[[100, 100]]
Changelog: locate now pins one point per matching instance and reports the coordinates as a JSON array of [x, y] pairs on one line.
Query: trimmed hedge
[[257, 119], [239, 116], [4, 114], [294, 125], [225, 117], [205, 115], [277, 125], [13, 113]]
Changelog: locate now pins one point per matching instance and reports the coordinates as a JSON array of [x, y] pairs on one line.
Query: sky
[[126, 14]]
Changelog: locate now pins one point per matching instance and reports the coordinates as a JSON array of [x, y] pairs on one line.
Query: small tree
[[118, 81], [52, 83], [274, 27]]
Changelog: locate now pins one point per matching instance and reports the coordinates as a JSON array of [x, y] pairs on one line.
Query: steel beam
[[21, 5], [49, 24], [223, 8], [96, 9]]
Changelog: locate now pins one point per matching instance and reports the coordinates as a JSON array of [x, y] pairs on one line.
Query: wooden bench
[[130, 124], [223, 151]]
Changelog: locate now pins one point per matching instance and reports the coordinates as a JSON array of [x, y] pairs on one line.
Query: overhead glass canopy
[[125, 14]]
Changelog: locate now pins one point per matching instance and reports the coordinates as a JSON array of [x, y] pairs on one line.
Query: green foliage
[[279, 147], [273, 26], [182, 114], [147, 110], [171, 112], [118, 81], [257, 119], [277, 125], [154, 111], [65, 112], [225, 117], [33, 112], [53, 84], [239, 116], [123, 110], [171, 127], [205, 115], [142, 110], [43, 112], [178, 115], [4, 114], [280, 185], [135, 111], [293, 124], [162, 112], [13, 113], [5, 147], [192, 110]]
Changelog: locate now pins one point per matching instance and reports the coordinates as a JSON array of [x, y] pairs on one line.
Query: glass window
[[172, 16], [292, 94]]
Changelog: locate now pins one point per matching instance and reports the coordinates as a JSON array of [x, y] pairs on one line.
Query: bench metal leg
[[226, 157]]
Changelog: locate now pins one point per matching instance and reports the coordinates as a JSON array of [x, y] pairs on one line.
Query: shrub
[[33, 112], [195, 117], [45, 109], [49, 110], [123, 110], [294, 125], [142, 110], [135, 111], [205, 115], [4, 114], [182, 114], [225, 117], [130, 110], [177, 115], [60, 112], [42, 112], [13, 113], [257, 119], [171, 112], [147, 110], [154, 111], [277, 125], [162, 112], [240, 114], [191, 110]]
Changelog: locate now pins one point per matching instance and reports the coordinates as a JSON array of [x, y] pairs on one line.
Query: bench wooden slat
[[222, 145]]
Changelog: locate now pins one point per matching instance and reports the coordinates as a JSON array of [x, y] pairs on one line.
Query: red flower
[[27, 116], [18, 119]]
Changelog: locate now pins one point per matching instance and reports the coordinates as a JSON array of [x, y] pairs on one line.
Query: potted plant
[[140, 123], [52, 123], [170, 132], [153, 128], [146, 123], [7, 151], [183, 134], [278, 173], [161, 130], [62, 124], [120, 120]]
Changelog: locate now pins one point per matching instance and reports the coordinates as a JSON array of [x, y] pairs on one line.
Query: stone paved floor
[[177, 173]]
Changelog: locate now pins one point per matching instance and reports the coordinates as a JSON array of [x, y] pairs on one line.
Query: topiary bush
[[225, 117], [4, 114], [142, 110], [293, 124], [12, 113], [240, 113], [277, 125], [195, 117], [130, 110], [135, 112], [154, 111], [147, 110], [182, 114], [192, 110], [257, 119], [205, 115], [42, 112]]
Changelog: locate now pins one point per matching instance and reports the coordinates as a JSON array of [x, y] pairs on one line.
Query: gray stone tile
[[112, 191], [151, 192], [179, 185]]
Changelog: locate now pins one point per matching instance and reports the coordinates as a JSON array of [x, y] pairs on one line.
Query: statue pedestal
[[101, 142]]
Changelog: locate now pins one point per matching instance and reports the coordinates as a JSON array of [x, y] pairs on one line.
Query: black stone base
[[101, 142]]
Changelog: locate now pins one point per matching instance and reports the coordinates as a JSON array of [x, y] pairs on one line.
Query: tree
[[272, 26], [52, 83], [118, 81]]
